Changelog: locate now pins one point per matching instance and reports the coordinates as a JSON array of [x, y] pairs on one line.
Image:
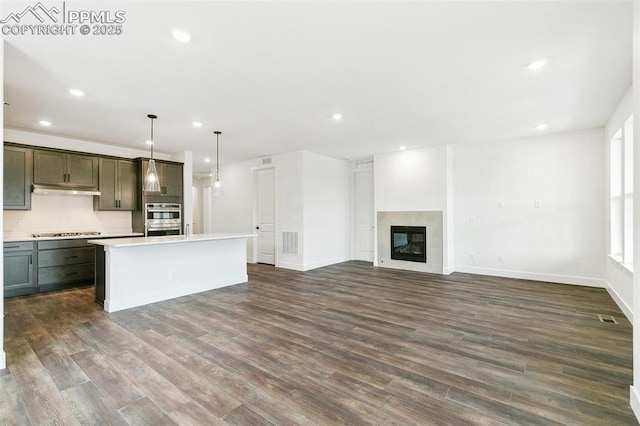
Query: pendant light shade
[[151, 179], [216, 185]]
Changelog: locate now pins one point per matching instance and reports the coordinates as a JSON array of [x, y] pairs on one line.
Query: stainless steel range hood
[[63, 190]]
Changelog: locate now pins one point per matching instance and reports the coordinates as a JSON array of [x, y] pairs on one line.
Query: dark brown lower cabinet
[[64, 263], [18, 268]]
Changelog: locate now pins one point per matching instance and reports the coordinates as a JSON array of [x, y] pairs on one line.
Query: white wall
[[233, 211], [619, 279], [415, 180], [186, 158], [326, 210], [312, 199], [635, 391], [562, 240], [198, 204], [289, 206]]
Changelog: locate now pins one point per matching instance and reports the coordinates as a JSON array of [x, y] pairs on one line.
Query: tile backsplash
[[63, 213]]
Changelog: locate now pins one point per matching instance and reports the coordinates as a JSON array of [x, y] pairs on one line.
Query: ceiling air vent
[[266, 161]]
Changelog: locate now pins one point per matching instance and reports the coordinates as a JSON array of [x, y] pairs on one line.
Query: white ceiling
[[269, 75]]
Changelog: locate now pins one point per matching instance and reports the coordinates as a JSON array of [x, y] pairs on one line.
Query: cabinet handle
[[71, 257], [11, 247], [73, 273], [30, 259]]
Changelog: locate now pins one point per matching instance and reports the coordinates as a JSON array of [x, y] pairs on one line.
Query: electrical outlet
[[472, 256], [500, 258], [538, 203], [472, 219], [16, 222], [500, 204]]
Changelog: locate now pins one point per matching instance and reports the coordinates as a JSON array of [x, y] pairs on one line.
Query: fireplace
[[409, 243]]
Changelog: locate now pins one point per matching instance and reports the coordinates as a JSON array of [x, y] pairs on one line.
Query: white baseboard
[[634, 401], [288, 265], [449, 270], [321, 263], [536, 276], [626, 310]]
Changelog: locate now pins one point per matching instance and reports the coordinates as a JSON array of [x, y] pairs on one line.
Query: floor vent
[[290, 242], [607, 318]]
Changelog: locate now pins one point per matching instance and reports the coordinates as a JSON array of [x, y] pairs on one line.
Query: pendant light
[[151, 179], [216, 187]]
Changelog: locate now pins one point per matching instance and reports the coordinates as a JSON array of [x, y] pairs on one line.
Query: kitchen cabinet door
[[108, 199], [82, 170], [172, 181], [118, 179], [18, 175], [128, 178], [18, 269], [49, 167], [59, 168]]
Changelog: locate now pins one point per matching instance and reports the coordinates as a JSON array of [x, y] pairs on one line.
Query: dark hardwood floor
[[346, 344]]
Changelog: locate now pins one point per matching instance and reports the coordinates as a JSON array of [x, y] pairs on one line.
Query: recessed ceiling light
[[541, 126], [337, 116], [207, 160], [181, 35], [76, 92], [44, 123], [402, 148], [536, 65], [197, 124]]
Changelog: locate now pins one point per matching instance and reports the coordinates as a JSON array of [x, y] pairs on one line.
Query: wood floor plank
[[12, 409], [344, 344], [42, 400], [92, 407]]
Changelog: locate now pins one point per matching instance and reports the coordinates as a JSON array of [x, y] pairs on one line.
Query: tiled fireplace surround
[[431, 219]]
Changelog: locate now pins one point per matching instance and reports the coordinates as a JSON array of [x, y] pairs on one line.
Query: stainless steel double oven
[[162, 219]]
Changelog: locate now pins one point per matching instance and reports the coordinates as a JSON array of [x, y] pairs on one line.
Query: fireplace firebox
[[409, 243]]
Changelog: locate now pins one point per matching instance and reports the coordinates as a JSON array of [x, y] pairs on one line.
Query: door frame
[[254, 219]]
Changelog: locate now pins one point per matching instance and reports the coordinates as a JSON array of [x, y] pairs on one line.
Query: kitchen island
[[137, 271]]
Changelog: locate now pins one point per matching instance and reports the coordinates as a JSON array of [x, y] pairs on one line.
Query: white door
[[363, 214], [266, 217]]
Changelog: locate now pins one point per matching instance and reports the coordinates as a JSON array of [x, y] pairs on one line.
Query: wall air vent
[[290, 242], [266, 161]]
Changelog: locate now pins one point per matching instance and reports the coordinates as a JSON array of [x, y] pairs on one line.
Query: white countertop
[[72, 237], [171, 239]]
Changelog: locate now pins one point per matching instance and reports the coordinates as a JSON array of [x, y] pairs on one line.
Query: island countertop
[[169, 239]]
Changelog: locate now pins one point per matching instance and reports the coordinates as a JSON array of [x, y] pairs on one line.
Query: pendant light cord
[[217, 154], [152, 138]]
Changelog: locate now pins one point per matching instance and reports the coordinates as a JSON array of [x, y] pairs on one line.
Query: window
[[621, 189]]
